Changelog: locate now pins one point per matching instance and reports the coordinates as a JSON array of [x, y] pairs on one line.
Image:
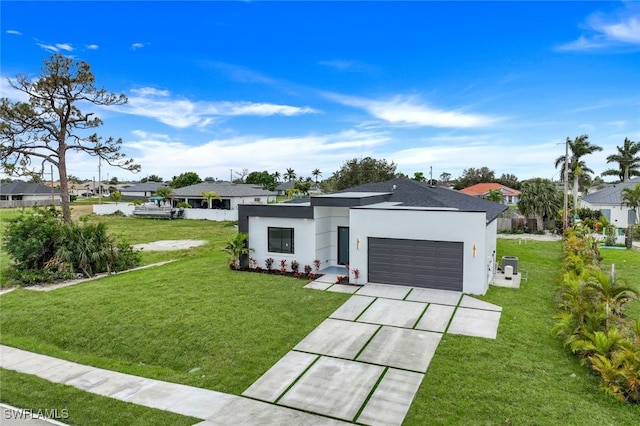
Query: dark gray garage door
[[429, 264]]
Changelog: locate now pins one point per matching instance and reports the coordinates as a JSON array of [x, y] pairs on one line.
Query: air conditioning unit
[[510, 261]]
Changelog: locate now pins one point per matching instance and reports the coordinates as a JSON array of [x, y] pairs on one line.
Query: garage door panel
[[420, 263]]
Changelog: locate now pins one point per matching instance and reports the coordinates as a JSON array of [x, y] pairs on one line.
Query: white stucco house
[[22, 194], [400, 232], [231, 195], [609, 202]]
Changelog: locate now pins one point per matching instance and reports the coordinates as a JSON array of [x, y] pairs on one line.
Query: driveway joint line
[[371, 392], [297, 379], [364, 310], [424, 311]]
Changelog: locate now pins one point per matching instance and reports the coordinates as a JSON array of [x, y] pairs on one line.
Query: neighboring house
[[284, 186], [141, 190], [511, 196], [609, 202], [231, 195], [23, 194], [399, 232]]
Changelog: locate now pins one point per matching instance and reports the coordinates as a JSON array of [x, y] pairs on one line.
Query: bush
[[44, 248]]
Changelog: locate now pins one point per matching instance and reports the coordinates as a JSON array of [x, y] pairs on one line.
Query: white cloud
[[182, 113], [136, 46], [13, 32], [347, 65], [92, 46], [402, 110], [55, 48], [619, 29]]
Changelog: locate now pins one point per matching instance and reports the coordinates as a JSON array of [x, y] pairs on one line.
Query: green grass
[[74, 406], [524, 377], [195, 313]]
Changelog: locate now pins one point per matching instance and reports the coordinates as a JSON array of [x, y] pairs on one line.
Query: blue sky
[[215, 86]]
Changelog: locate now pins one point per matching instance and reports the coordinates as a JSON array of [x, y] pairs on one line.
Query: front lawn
[[197, 322], [524, 377]]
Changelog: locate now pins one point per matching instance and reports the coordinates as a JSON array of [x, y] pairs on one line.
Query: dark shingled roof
[[412, 193], [222, 189], [19, 187]]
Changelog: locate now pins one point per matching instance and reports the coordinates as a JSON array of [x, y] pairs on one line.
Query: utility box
[[510, 261], [508, 272]]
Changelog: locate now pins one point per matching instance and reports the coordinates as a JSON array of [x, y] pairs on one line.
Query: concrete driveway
[[366, 361]]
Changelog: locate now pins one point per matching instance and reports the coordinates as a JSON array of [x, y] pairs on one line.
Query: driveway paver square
[[333, 387], [436, 318], [433, 295], [471, 302], [392, 398], [384, 290], [402, 348], [352, 308], [475, 322], [342, 339], [278, 378], [393, 312]]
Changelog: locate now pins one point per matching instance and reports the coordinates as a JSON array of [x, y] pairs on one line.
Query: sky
[[435, 87]]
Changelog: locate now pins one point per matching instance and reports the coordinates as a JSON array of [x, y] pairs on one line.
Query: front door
[[343, 245]]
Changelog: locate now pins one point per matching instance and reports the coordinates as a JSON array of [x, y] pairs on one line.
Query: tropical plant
[[183, 205], [50, 123], [290, 175], [495, 195], [116, 196], [209, 196], [539, 197], [268, 262], [316, 173], [577, 168], [166, 192], [237, 248], [628, 160]]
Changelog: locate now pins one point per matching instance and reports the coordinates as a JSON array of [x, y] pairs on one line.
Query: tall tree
[[473, 176], [51, 123], [445, 178], [166, 192], [357, 172], [510, 180], [264, 178], [628, 160], [290, 175], [152, 178], [419, 176], [185, 179], [631, 199], [316, 173], [210, 196], [539, 197], [277, 176], [578, 147]]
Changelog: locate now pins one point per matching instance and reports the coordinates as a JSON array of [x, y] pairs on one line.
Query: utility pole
[[99, 180], [566, 180]]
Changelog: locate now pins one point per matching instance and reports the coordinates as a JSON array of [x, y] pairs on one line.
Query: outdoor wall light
[[357, 243], [473, 250]]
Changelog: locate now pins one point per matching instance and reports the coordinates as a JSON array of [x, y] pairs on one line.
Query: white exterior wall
[[211, 214], [491, 245], [466, 227], [303, 234], [110, 208], [327, 221], [235, 201], [619, 213]]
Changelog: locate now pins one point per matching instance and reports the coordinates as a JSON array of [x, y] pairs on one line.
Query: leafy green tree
[[631, 198], [539, 197], [419, 176], [264, 178], [495, 195], [303, 186], [50, 123], [185, 179], [152, 178], [445, 178], [116, 196], [509, 180], [360, 171], [628, 160], [473, 176], [578, 147]]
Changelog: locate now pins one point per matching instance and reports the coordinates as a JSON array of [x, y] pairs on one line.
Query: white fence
[[202, 214]]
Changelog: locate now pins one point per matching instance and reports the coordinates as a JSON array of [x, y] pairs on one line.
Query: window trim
[[282, 247]]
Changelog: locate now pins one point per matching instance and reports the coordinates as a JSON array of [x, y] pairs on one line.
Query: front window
[[281, 240]]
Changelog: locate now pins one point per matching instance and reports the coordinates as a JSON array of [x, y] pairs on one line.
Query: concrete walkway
[[366, 362], [363, 364]]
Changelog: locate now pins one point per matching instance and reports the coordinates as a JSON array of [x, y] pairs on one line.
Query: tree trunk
[[64, 182]]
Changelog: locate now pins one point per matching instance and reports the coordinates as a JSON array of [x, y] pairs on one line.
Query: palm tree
[[612, 294], [208, 196], [628, 159], [495, 195], [237, 248], [316, 173], [579, 147], [116, 196], [539, 197], [166, 192], [290, 175], [277, 176]]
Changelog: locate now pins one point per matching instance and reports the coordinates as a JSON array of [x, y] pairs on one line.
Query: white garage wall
[[466, 227], [304, 240]]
